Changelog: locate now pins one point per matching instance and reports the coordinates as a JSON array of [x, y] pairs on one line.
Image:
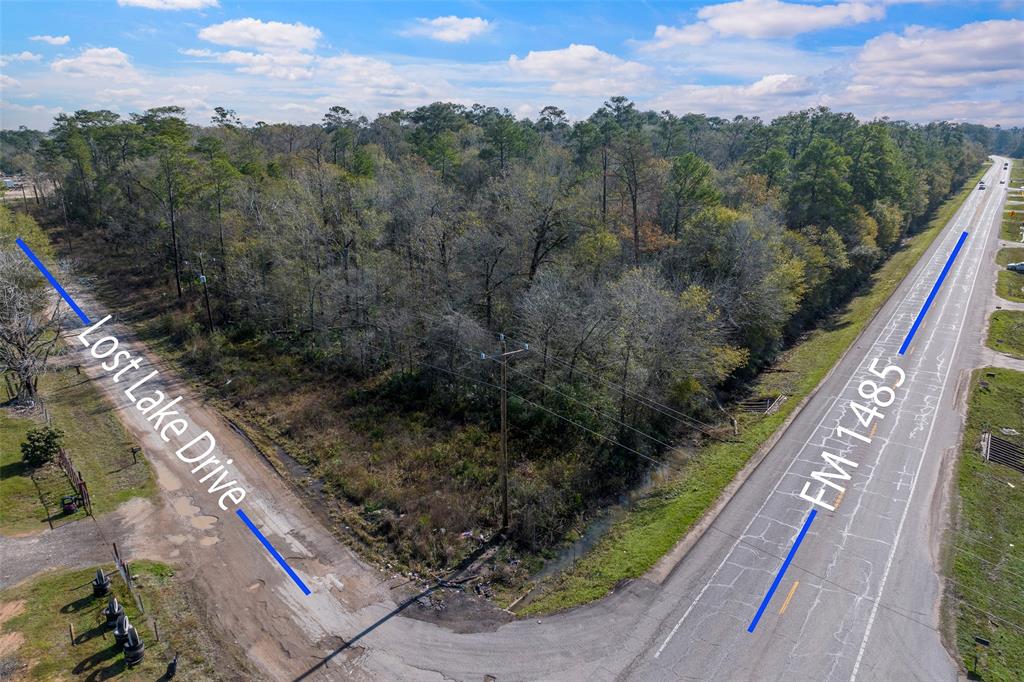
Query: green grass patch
[[97, 443], [985, 591], [48, 604], [1011, 225], [1011, 255], [654, 525], [1006, 332], [1010, 285], [22, 490]]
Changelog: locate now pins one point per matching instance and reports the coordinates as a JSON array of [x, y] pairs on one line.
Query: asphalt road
[[865, 607], [866, 603]]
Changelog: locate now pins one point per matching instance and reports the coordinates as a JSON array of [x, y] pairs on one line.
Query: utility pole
[[502, 357], [206, 292]]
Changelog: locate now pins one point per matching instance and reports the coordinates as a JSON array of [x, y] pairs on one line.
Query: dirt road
[[251, 601]]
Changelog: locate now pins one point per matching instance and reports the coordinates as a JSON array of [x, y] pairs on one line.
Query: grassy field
[[1013, 214], [37, 615], [1010, 285], [1010, 230], [1011, 255], [1006, 332], [653, 526], [22, 510], [985, 587], [97, 443]]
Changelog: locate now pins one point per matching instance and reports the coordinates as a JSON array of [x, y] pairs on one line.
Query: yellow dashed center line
[[839, 498], [873, 429], [788, 597]]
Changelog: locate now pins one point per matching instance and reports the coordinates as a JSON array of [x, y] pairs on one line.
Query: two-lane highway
[[860, 599]]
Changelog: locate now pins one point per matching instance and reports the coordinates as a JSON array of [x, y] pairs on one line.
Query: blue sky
[[911, 59]]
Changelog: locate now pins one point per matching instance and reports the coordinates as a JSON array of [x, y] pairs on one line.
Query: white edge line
[[958, 217], [913, 486]]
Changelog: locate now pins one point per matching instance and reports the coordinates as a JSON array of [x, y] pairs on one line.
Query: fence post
[[85, 498]]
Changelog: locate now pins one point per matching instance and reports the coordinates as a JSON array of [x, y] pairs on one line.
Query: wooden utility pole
[[206, 292], [502, 357], [504, 433]]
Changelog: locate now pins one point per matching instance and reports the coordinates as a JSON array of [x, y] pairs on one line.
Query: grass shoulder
[[1010, 285], [984, 595], [36, 616], [95, 440], [1006, 332], [654, 525]]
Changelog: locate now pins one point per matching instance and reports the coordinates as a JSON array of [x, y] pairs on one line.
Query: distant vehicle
[[1002, 182], [981, 186], [1016, 267]]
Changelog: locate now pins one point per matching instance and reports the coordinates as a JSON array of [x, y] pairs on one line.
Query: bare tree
[[28, 335]]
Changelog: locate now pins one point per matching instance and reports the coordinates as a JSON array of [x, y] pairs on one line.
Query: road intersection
[[859, 601]]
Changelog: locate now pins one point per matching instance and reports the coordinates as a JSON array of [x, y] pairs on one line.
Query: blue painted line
[[785, 565], [931, 296], [56, 285], [273, 552]]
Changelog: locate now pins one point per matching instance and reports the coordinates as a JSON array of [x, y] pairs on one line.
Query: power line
[[976, 591], [556, 390], [527, 400], [648, 402], [599, 435], [989, 561], [594, 409]]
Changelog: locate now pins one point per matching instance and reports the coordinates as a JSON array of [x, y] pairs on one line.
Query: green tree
[[692, 188], [41, 445], [167, 142], [820, 194]]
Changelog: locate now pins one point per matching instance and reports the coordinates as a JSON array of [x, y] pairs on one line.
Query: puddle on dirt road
[[167, 480], [184, 506]]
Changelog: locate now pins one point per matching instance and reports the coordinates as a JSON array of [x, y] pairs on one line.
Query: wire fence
[[75, 476]]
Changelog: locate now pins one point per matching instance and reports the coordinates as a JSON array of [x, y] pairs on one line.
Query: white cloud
[[304, 108], [690, 34], [582, 70], [168, 4], [97, 62], [922, 68], [52, 40], [25, 56], [769, 96], [763, 19], [119, 93], [960, 55], [267, 35], [775, 19], [376, 78], [283, 65], [450, 29], [8, 82]]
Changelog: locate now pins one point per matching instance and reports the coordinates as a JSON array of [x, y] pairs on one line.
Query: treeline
[[654, 262]]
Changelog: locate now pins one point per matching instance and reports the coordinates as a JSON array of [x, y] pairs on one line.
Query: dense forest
[[654, 264]]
